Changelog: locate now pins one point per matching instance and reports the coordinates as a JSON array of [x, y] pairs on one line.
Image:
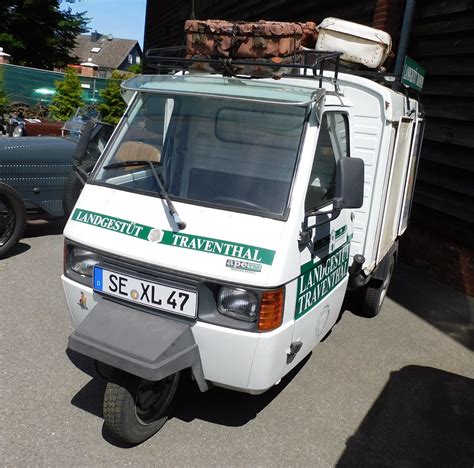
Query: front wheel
[[12, 218], [136, 408]]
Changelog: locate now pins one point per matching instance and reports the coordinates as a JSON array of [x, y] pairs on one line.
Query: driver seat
[[138, 151]]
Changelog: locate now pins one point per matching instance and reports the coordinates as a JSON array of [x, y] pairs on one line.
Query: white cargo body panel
[[382, 135], [358, 43]]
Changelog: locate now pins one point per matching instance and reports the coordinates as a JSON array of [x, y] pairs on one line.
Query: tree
[[37, 33], [135, 68], [68, 96], [113, 105]]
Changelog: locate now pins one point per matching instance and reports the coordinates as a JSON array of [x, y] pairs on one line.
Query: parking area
[[391, 391]]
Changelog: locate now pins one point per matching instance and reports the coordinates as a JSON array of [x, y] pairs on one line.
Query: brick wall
[[387, 15]]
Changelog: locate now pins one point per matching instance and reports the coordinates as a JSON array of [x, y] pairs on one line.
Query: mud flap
[[142, 344]]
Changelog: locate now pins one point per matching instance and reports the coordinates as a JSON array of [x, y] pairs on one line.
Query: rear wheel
[[12, 218], [375, 292], [136, 408]]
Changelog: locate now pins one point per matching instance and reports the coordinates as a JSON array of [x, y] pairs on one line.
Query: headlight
[[237, 303], [82, 261]]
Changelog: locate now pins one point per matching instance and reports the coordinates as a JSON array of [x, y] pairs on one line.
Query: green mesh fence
[[32, 86]]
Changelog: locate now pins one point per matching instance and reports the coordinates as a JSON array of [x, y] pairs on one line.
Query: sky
[[121, 18]]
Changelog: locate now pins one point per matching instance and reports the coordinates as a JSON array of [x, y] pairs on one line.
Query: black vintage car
[[42, 177]]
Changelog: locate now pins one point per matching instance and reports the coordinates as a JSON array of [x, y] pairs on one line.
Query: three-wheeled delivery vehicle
[[226, 221]]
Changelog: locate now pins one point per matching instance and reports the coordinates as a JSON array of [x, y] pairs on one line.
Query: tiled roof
[[111, 54]]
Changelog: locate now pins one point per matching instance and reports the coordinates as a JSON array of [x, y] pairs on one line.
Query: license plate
[[155, 295]]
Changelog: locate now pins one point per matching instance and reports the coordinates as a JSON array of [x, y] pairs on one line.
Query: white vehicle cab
[[225, 223]]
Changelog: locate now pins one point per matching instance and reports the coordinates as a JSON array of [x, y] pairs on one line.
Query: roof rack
[[168, 58]]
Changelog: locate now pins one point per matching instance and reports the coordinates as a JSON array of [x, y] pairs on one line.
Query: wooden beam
[[447, 154], [454, 44], [457, 23], [450, 178], [445, 201], [450, 131], [455, 108], [447, 66], [445, 7], [448, 86]]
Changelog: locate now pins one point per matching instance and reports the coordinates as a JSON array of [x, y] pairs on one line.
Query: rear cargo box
[[358, 43]]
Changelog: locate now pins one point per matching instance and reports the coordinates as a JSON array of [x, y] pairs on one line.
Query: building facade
[[106, 52]]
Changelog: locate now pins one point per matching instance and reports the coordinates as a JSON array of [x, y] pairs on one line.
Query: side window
[[333, 144], [99, 138]]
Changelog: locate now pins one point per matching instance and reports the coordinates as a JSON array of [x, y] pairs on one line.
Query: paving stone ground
[[394, 390]]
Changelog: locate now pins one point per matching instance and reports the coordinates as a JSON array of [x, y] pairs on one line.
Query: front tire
[[12, 218], [135, 408]]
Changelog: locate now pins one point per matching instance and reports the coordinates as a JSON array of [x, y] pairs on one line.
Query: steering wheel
[[329, 192], [237, 201]]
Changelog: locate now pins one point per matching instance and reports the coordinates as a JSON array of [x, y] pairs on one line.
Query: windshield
[[208, 151]]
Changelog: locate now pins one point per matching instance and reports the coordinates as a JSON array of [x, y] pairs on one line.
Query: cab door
[[324, 259]]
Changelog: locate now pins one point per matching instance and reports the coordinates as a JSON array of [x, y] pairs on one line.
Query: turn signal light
[[271, 310]]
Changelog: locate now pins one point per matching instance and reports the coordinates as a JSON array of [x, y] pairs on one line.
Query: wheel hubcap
[[7, 220], [151, 398]]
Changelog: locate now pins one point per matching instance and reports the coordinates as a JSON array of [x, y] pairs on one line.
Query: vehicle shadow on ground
[[37, 228], [88, 398], [217, 405], [40, 228], [226, 407], [448, 310], [423, 417], [19, 248]]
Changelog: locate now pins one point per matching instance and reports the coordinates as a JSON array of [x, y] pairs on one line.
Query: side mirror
[[349, 183]]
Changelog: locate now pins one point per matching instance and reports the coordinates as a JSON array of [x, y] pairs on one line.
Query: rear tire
[[12, 218], [375, 292], [135, 408]]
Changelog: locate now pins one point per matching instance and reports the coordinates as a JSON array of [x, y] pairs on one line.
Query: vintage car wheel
[[73, 187], [18, 105], [135, 408], [12, 218]]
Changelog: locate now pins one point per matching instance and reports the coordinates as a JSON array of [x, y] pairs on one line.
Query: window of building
[[96, 49], [130, 58]]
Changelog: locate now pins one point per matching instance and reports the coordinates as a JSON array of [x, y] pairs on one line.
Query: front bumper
[[245, 361], [146, 345]]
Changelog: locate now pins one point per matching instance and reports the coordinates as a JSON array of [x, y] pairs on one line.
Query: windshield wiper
[[179, 222]]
